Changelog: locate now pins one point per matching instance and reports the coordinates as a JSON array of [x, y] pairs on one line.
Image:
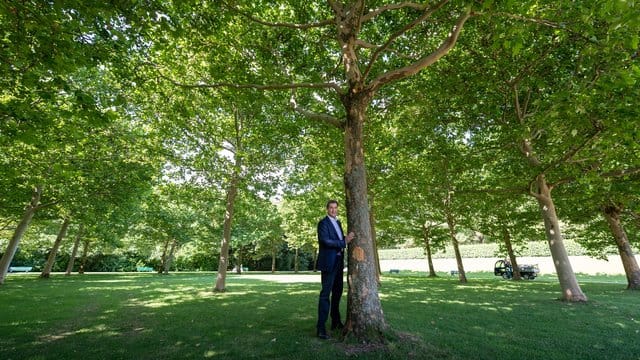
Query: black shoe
[[338, 325], [322, 334]]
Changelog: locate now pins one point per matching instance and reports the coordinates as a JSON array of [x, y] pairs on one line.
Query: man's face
[[332, 210]]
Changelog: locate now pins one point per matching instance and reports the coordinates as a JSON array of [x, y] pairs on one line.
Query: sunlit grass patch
[[178, 316]]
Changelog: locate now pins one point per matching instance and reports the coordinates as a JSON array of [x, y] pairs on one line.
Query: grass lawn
[[148, 316]]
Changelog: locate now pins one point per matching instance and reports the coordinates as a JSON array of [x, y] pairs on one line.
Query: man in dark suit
[[331, 264]]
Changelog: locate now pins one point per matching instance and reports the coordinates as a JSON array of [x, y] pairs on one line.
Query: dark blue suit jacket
[[330, 245]]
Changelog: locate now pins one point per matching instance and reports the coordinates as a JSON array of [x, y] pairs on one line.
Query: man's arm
[[325, 238]]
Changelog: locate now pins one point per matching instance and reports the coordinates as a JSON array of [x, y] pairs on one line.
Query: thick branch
[[426, 61], [531, 192]]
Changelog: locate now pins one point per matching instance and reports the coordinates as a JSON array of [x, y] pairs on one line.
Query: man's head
[[332, 208]]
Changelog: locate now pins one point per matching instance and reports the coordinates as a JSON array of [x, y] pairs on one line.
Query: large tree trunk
[[426, 235], [372, 221], [74, 252], [46, 272], [571, 290], [163, 257], [612, 213], [31, 209], [506, 236], [169, 260], [365, 319]]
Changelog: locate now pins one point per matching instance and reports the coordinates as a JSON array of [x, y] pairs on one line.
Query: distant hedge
[[537, 248]]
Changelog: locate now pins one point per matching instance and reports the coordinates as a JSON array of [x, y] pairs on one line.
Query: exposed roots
[[391, 345]]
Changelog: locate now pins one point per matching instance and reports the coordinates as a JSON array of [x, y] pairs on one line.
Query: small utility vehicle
[[503, 268]]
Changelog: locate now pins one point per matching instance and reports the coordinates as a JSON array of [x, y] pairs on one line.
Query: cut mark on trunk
[[358, 254]]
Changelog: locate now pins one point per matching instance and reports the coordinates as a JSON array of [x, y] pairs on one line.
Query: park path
[[580, 264]]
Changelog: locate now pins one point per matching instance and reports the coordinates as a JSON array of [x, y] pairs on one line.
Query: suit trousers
[[332, 284]]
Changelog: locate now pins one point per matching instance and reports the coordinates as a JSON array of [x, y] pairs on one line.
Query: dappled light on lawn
[[179, 317]]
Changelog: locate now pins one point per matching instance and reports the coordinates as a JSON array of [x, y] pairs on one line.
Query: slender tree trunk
[[239, 261], [462, 276], [169, 260], [10, 252], [273, 260], [612, 213], [506, 236], [85, 256], [232, 193], [296, 261], [223, 264], [54, 251], [74, 252], [315, 260], [426, 231], [365, 320], [571, 290]]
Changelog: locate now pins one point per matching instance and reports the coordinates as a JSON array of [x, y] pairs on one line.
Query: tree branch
[[278, 24], [42, 206], [328, 119], [407, 4], [528, 19], [531, 192], [568, 155], [399, 33], [620, 172], [204, 85], [426, 61]]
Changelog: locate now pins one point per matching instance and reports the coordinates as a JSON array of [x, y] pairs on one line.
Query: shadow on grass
[[178, 317]]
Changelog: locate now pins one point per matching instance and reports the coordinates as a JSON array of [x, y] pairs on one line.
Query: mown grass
[[148, 316]]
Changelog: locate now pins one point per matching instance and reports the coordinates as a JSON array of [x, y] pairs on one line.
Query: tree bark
[[85, 255], [232, 193], [462, 276], [46, 272], [163, 257], [426, 234], [170, 256], [372, 221], [571, 290], [239, 261], [74, 252], [273, 260], [30, 210], [506, 236], [611, 213], [315, 260], [365, 319]]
